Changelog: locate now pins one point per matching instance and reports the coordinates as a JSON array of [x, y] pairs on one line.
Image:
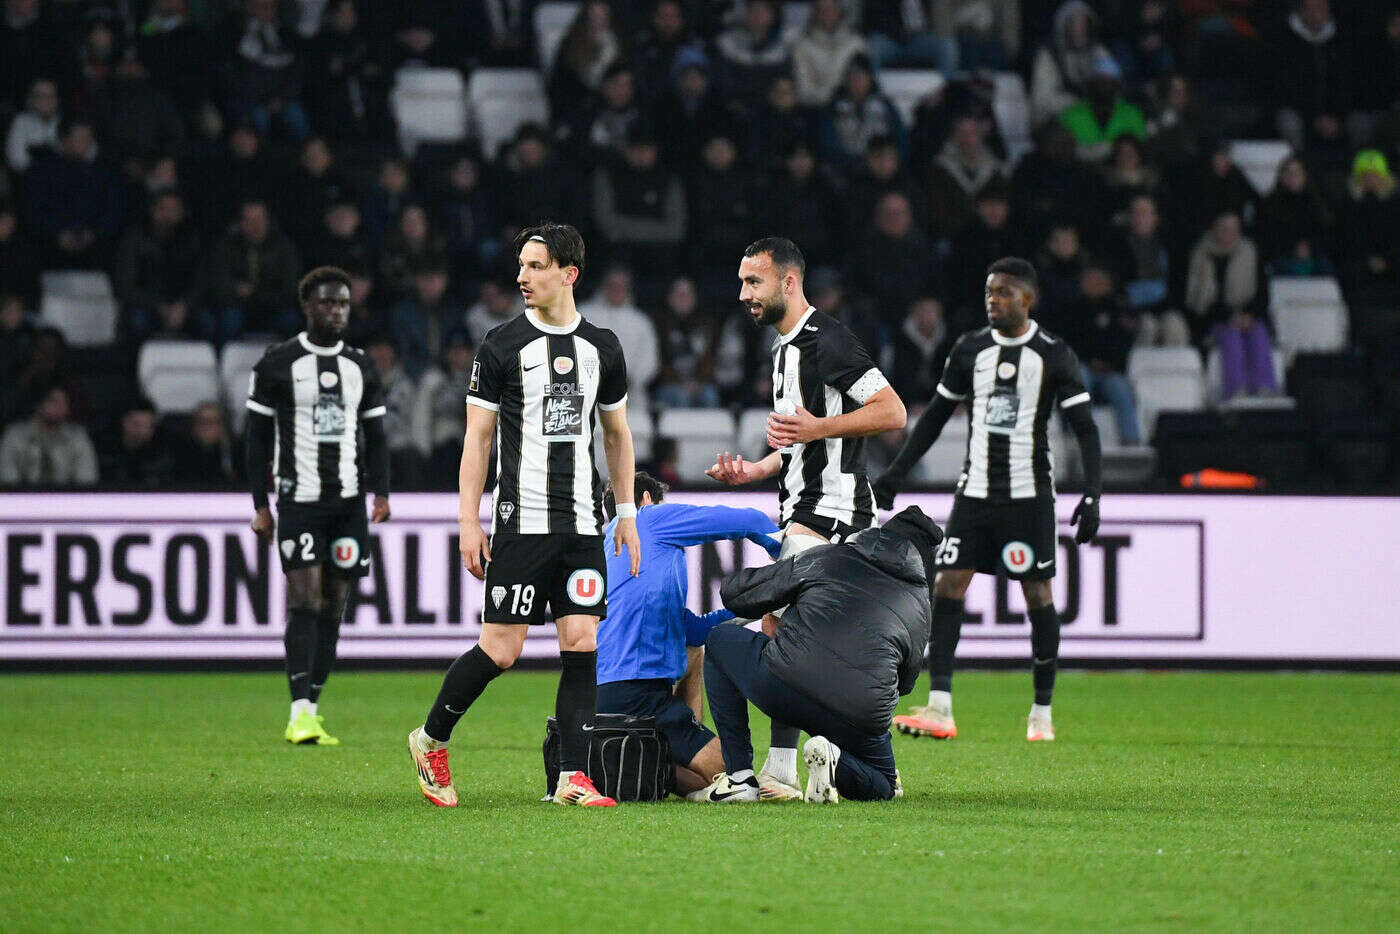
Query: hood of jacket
[[890, 552]]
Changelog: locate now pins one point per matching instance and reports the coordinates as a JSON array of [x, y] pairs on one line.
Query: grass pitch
[[1177, 801]]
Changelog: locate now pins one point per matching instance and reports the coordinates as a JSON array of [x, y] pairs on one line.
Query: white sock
[[782, 764], [311, 706], [1040, 710], [742, 775], [428, 742], [941, 700], [299, 705]]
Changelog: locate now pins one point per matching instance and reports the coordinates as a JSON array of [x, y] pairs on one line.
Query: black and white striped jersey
[[821, 366], [544, 383], [318, 397], [1012, 385]]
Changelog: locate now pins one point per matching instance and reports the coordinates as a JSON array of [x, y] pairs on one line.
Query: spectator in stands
[[265, 79], [687, 340], [1060, 73], [1313, 79], [1102, 330], [801, 198], [339, 242], [658, 46], [754, 50], [1372, 230], [1220, 188], [392, 192], [901, 35], [640, 207], [242, 172], [1144, 46], [95, 61], [46, 366], [917, 351], [987, 236], [17, 335], [882, 171], [1050, 185], [74, 201], [743, 366], [587, 51], [310, 191], [35, 127], [891, 266], [48, 450], [1147, 277], [177, 56], [819, 58], [347, 88], [19, 264], [422, 320], [691, 110], [613, 114], [203, 457], [1222, 290], [495, 305], [406, 462], [1060, 264], [251, 276], [1294, 213], [1177, 130], [613, 307], [139, 459], [529, 182], [156, 273], [1378, 97], [467, 217], [414, 242], [439, 417], [134, 118], [425, 33], [1103, 114], [858, 113], [29, 43], [1128, 175], [988, 32], [779, 124], [725, 205], [964, 167], [364, 309]]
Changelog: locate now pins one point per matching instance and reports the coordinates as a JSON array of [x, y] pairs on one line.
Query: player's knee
[[502, 653], [952, 584], [1038, 594], [309, 602]]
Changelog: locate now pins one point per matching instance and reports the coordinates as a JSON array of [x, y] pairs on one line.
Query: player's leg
[[702, 768], [732, 654], [1036, 523], [852, 766], [574, 705], [348, 556], [299, 641]]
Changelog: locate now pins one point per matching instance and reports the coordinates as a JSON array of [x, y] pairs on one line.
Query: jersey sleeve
[[1069, 378], [488, 377], [372, 403], [957, 376], [612, 384], [845, 364], [260, 390]]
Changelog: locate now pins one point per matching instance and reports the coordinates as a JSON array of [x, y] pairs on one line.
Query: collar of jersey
[[797, 328], [1015, 341], [569, 328], [317, 349]]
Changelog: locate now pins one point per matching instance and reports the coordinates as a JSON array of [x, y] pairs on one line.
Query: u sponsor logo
[[345, 552], [586, 587], [1018, 557]]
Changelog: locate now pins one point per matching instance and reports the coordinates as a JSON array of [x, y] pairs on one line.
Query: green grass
[[1176, 801]]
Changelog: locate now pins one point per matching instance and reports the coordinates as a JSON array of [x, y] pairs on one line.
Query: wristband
[[627, 510]]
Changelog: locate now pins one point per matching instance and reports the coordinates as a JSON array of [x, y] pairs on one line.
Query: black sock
[[1045, 651], [943, 642], [465, 681], [783, 737], [323, 659], [573, 707], [300, 642]]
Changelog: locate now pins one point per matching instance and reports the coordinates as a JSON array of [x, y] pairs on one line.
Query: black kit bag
[[628, 758]]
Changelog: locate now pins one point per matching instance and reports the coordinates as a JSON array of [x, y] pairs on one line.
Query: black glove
[[885, 487], [1086, 517]]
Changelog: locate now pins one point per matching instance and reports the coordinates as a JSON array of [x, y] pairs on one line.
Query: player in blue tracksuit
[[642, 644]]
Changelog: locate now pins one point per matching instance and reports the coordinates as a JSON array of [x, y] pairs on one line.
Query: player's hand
[[801, 427], [380, 511], [732, 470], [1086, 517], [885, 487], [626, 535], [475, 547], [262, 523]]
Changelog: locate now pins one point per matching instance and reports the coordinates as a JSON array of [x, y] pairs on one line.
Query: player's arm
[[843, 363], [752, 592], [1074, 402], [685, 525], [373, 409], [622, 466], [953, 389], [471, 481], [733, 470], [258, 443], [697, 628]]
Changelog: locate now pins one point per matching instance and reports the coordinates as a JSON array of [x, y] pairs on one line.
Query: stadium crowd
[[205, 153]]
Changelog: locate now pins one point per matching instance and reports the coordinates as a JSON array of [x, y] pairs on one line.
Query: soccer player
[[1012, 374], [539, 383], [319, 405], [642, 649], [828, 395]]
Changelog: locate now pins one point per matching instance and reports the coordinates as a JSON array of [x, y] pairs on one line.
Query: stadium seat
[[500, 100], [235, 363], [752, 440], [552, 20], [1012, 109], [1315, 328], [1259, 160], [907, 86], [1145, 360], [1213, 382], [943, 463], [795, 18], [80, 304], [1167, 392], [429, 105], [178, 375], [1107, 424], [643, 432], [698, 434], [1304, 290]]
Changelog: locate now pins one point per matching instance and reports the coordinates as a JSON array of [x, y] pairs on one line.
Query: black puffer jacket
[[857, 621]]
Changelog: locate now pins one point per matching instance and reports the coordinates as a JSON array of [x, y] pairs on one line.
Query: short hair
[[562, 241], [318, 277], [784, 252], [642, 482], [1018, 269]]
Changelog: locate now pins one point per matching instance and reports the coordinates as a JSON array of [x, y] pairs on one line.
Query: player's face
[[541, 279], [761, 289], [1008, 302], [328, 311]]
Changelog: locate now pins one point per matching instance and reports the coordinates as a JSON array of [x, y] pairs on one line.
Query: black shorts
[[334, 533], [833, 530], [527, 571], [1017, 537], [653, 697]]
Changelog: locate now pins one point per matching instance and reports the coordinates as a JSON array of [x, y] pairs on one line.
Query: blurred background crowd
[[190, 159]]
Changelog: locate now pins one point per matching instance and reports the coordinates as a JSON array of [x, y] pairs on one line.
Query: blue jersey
[[648, 625]]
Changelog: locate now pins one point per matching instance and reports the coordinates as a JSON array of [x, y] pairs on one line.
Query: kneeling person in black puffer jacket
[[850, 644]]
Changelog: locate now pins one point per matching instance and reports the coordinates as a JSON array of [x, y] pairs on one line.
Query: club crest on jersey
[[506, 509], [590, 367], [563, 365], [497, 595], [1018, 557], [1006, 370], [345, 552], [329, 379], [585, 587]]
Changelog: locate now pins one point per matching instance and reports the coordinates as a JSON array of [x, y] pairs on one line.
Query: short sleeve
[[957, 378], [844, 364], [260, 397], [484, 390], [612, 383], [1069, 379], [372, 403]]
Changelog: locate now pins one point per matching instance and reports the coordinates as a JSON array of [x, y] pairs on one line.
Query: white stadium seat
[[178, 375], [643, 432], [752, 441], [500, 100], [80, 304], [907, 86], [552, 20], [1107, 423], [235, 363], [1304, 290], [1310, 328], [1012, 109], [698, 434], [1167, 392], [1259, 160], [429, 106]]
